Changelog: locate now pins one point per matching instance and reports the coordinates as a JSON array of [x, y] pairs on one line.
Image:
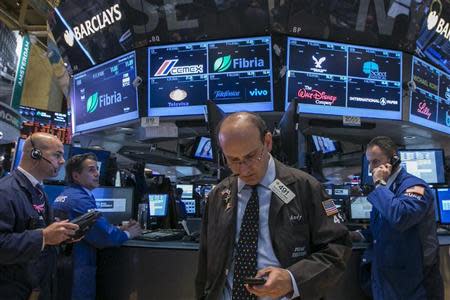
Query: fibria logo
[[95, 101], [443, 27], [223, 63]]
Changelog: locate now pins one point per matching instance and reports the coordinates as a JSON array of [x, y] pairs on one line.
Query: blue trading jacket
[[403, 239], [75, 201]]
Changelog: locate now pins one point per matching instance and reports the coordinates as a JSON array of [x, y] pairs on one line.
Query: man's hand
[[133, 228], [278, 283], [59, 232], [382, 172], [356, 236]]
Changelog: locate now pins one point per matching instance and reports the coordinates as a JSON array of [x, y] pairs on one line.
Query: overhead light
[[409, 137]]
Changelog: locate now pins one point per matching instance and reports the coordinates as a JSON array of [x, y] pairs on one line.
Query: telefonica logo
[[433, 20], [95, 101], [223, 63], [91, 26]]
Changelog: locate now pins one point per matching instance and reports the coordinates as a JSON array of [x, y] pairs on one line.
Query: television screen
[[324, 144], [158, 205], [187, 190], [360, 208], [366, 175], [104, 95], [339, 79], [430, 100], [444, 205], [18, 155], [115, 203], [425, 164], [203, 149], [236, 74], [190, 206]]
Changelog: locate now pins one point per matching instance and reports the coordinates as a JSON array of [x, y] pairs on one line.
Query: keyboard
[[162, 235]]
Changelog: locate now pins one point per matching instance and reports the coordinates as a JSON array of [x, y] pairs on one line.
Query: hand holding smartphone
[[254, 281]]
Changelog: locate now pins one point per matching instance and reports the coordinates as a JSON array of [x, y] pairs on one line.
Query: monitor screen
[[436, 204], [360, 208], [18, 155], [341, 191], [105, 95], [366, 175], [190, 206], [236, 74], [339, 79], [203, 149], [203, 189], [444, 205], [53, 191], [425, 164], [158, 205], [115, 203], [430, 100], [187, 190], [324, 144]]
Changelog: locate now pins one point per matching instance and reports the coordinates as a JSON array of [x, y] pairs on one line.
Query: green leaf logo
[[92, 103], [222, 63]]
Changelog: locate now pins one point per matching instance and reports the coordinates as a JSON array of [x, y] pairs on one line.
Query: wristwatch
[[380, 182]]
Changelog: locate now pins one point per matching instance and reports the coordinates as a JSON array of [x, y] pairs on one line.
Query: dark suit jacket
[[305, 240], [23, 266]]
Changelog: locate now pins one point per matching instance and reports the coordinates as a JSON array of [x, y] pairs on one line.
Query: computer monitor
[[427, 164], [158, 205], [187, 190], [443, 195], [203, 149], [115, 203], [324, 144], [366, 175], [360, 208], [436, 204], [191, 208]]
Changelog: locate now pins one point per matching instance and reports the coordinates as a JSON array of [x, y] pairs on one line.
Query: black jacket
[[310, 245]]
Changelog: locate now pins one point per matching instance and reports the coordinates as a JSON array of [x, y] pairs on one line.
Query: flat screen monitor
[[187, 190], [324, 144], [339, 79], [340, 191], [203, 149], [436, 204], [53, 191], [115, 203], [203, 189], [105, 95], [102, 158], [360, 208], [236, 74], [426, 164], [430, 100], [444, 205], [366, 175], [190, 206], [62, 171], [158, 205]]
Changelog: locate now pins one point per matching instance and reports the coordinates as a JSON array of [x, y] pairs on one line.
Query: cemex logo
[[372, 70], [168, 67], [95, 101], [223, 63]]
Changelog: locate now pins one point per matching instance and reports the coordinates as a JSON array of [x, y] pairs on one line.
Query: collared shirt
[[266, 256]]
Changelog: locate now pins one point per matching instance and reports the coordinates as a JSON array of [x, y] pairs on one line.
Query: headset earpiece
[[35, 152]]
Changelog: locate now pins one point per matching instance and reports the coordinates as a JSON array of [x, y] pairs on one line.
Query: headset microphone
[[55, 169]]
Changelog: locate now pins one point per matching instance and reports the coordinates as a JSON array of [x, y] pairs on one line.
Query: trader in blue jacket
[[83, 176], [27, 230], [402, 231]]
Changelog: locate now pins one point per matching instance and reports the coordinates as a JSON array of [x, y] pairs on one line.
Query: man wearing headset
[[403, 244], [27, 231]]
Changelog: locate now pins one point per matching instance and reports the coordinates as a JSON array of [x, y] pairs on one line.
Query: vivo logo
[[257, 92]]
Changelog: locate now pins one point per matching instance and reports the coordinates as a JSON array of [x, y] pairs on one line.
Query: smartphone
[[254, 281]]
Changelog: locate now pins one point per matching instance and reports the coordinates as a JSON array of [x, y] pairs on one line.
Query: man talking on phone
[[267, 221], [402, 232]]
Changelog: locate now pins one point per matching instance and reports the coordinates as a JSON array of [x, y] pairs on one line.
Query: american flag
[[330, 208]]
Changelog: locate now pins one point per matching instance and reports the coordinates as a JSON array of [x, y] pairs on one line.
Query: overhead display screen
[[338, 79], [430, 100], [236, 74], [427, 164], [105, 95]]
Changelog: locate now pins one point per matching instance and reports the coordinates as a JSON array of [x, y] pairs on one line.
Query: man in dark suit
[[267, 220], [27, 231]]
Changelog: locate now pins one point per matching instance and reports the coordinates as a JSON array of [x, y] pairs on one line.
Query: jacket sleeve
[[330, 248], [402, 212], [103, 234], [16, 247], [200, 279]]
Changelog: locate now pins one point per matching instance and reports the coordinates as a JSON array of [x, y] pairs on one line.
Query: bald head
[[41, 141], [243, 124]]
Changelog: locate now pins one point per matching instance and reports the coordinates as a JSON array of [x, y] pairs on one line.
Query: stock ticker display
[[430, 100], [105, 95], [236, 74], [338, 79]]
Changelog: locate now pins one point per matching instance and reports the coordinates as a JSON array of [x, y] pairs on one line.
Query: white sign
[[111, 204]]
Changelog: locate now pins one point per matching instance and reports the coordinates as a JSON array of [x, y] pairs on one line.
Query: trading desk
[[143, 270]]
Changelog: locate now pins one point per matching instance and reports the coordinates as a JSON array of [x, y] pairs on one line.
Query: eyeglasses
[[247, 161]]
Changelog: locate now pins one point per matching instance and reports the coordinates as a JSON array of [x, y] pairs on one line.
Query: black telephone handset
[[395, 161]]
